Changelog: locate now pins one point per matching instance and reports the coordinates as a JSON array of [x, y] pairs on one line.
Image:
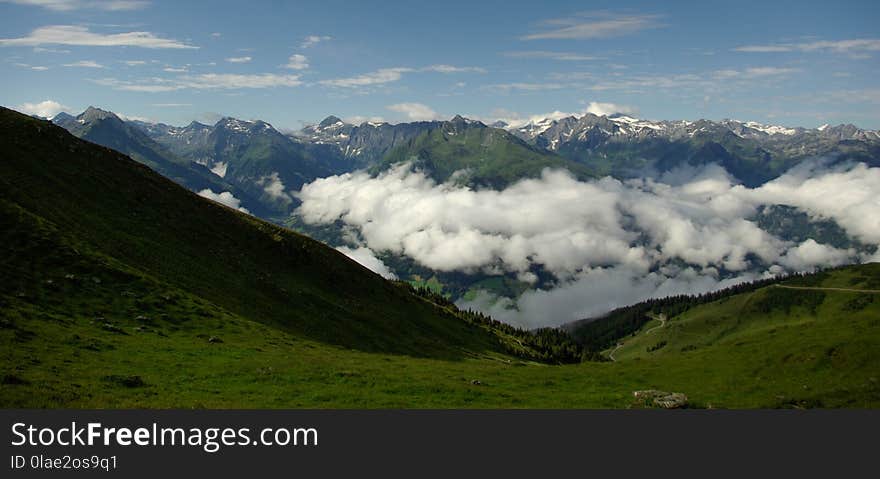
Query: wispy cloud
[[45, 108], [313, 40], [38, 68], [378, 77], [82, 36], [50, 50], [239, 59], [233, 81], [70, 5], [388, 75], [297, 62], [155, 85], [838, 46], [559, 56], [176, 69], [754, 72], [134, 63], [84, 64], [595, 25], [170, 105], [207, 81], [522, 86], [453, 69], [682, 83], [415, 111]]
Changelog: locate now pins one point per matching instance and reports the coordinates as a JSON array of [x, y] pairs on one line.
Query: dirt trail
[[659, 317]]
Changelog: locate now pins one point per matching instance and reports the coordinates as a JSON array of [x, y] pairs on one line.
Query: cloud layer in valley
[[224, 198], [607, 243]]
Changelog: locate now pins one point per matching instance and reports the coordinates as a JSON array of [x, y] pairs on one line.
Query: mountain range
[[264, 163]]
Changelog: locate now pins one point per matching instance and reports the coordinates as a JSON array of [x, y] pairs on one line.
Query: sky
[[801, 63]]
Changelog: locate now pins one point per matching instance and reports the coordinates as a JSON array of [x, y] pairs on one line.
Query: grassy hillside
[[478, 155], [113, 207], [732, 358]]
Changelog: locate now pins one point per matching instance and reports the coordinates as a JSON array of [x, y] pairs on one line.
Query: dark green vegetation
[[546, 344], [794, 225], [477, 155], [597, 334], [120, 289], [816, 347]]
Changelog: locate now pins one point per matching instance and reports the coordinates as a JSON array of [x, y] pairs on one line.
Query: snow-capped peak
[[770, 129]]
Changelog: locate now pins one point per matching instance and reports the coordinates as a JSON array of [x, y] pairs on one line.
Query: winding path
[[659, 317]]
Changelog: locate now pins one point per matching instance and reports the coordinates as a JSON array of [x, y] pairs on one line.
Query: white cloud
[[239, 59], [207, 81], [649, 237], [134, 63], [559, 56], [378, 77], [170, 105], [605, 109], [78, 35], [838, 46], [415, 111], [368, 259], [233, 81], [313, 40], [50, 50], [810, 255], [225, 198], [753, 72], [39, 68], [514, 120], [595, 25], [70, 5], [389, 75], [144, 87], [274, 187], [526, 86], [297, 62], [84, 64], [358, 119], [183, 69], [135, 118], [594, 292], [45, 108], [453, 69]]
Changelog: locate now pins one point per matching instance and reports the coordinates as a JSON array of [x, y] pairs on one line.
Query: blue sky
[[791, 63]]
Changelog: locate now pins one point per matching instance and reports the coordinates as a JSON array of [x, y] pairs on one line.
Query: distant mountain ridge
[[264, 167]]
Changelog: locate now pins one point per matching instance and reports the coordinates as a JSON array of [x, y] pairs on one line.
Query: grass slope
[[106, 203]]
